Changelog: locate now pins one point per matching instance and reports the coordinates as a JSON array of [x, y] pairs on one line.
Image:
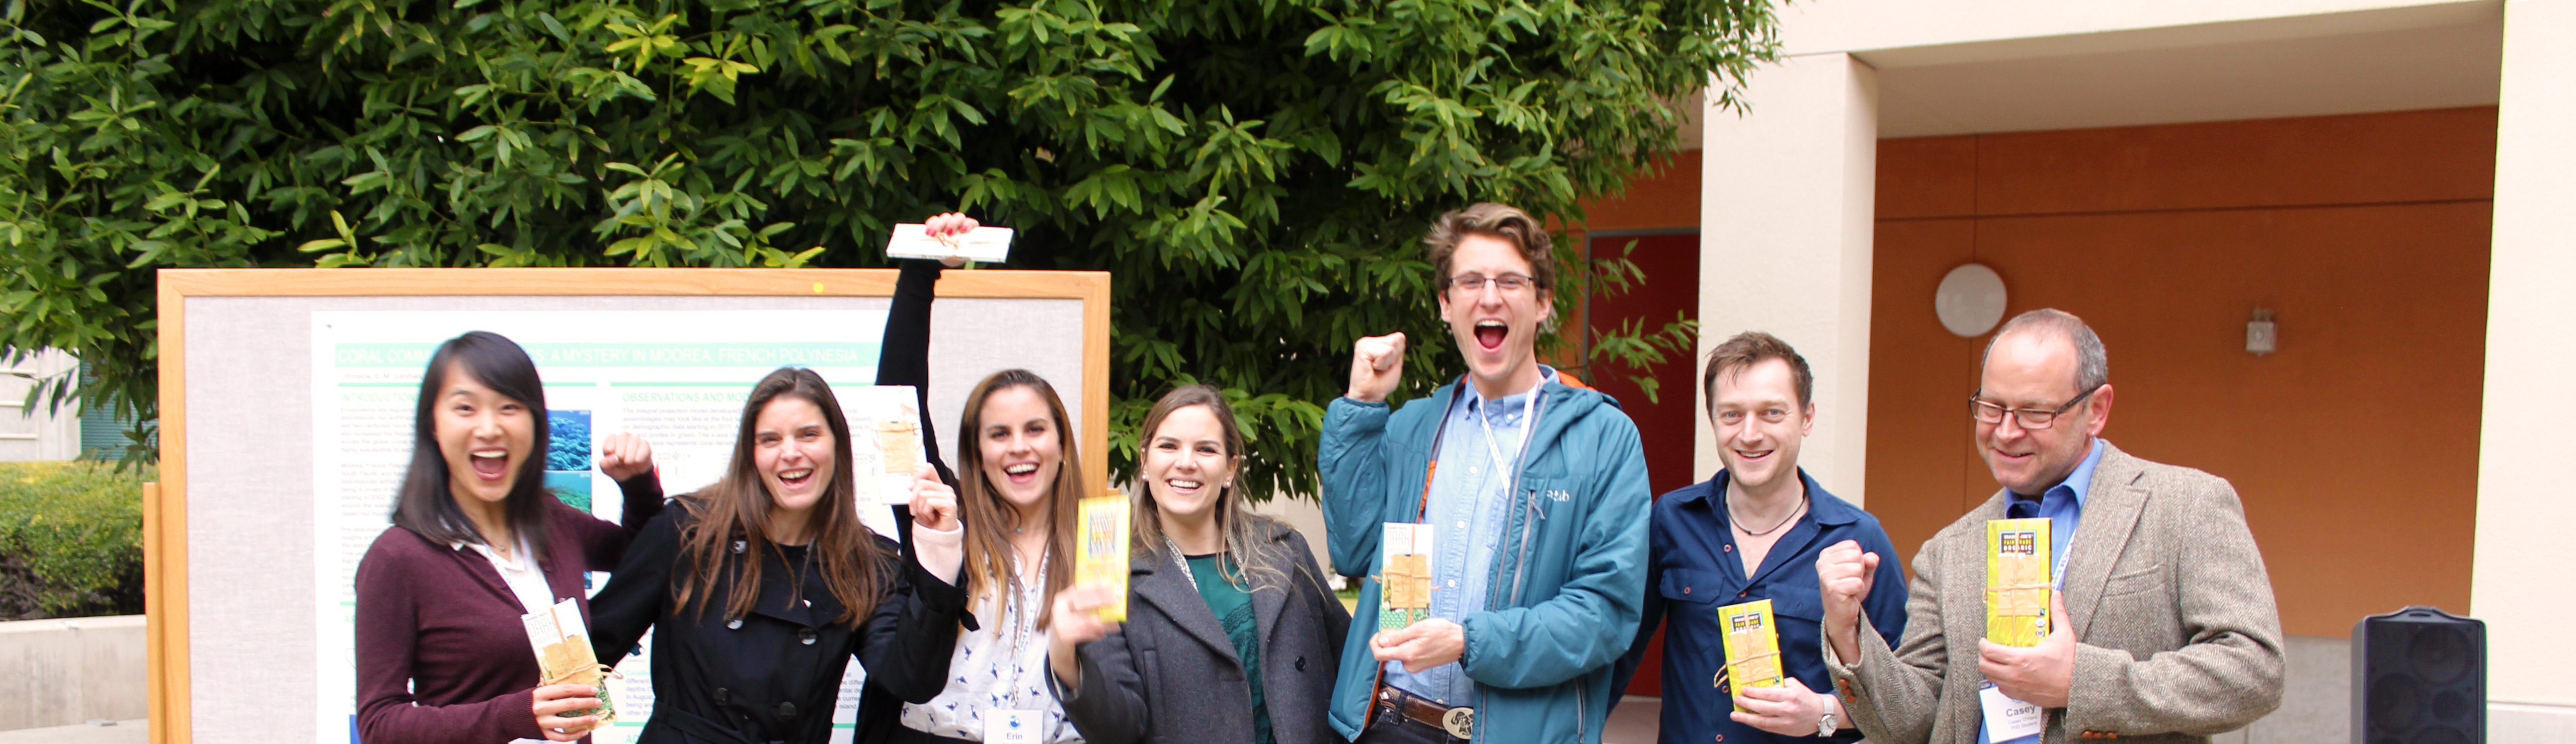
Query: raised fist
[[1377, 362]]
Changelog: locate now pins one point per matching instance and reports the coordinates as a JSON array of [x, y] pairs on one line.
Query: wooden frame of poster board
[[165, 527]]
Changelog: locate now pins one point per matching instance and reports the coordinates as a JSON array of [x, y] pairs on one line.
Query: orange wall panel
[[2354, 448], [1667, 199], [1927, 177], [2356, 159], [1920, 377]]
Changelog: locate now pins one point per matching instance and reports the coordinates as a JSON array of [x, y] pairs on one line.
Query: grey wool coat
[[2176, 631], [1169, 674]]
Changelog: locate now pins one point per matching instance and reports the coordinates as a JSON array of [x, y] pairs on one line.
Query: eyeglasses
[[2030, 418], [1475, 283]]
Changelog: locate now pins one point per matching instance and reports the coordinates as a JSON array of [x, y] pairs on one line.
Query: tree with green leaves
[[1256, 174]]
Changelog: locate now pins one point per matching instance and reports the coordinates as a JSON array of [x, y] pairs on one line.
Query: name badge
[[2008, 719], [1008, 726]]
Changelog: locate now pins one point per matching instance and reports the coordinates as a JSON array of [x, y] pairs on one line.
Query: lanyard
[[1529, 426], [1440, 434]]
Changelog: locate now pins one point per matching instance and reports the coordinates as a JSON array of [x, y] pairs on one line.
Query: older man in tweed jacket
[[2165, 626]]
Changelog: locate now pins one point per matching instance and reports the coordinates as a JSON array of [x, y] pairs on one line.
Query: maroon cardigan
[[442, 656]]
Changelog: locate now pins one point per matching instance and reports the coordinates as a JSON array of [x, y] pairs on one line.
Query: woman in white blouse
[[1018, 482]]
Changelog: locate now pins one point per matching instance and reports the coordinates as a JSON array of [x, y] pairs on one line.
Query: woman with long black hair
[[477, 541]]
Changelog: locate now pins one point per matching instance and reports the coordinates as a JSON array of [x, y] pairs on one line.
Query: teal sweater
[[1568, 584]]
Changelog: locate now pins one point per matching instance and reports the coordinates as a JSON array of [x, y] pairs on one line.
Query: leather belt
[[1459, 722]]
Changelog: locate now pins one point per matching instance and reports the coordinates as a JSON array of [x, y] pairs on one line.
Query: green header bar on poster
[[636, 354]]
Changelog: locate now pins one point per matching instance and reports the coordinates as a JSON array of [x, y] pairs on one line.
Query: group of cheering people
[[1552, 565]]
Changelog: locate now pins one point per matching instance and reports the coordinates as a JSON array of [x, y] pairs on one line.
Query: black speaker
[[2419, 676]]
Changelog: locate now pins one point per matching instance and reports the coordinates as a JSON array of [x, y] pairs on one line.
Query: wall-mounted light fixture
[[1970, 300], [2261, 337]]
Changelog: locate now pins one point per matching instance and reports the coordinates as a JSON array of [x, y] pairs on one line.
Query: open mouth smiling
[[491, 464]]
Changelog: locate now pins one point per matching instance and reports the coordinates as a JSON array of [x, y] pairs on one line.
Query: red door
[[1671, 266]]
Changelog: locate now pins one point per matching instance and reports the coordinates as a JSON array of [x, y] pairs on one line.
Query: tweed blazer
[[2177, 634]]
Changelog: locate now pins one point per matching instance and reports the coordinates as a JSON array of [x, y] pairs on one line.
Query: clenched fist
[[623, 456], [1843, 575], [1377, 362]]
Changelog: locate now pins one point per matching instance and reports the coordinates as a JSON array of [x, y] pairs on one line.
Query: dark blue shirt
[[1693, 569]]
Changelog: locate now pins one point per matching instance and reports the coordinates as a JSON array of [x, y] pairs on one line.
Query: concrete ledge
[[72, 670], [135, 731]]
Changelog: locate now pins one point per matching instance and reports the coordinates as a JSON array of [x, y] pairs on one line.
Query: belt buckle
[[1461, 722]]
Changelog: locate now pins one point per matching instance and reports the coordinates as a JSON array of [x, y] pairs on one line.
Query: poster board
[[232, 537]]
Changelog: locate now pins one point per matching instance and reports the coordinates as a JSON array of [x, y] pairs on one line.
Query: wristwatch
[[1825, 728]]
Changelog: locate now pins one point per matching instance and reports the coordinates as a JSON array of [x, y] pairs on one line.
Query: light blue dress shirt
[[2063, 505], [1469, 500]]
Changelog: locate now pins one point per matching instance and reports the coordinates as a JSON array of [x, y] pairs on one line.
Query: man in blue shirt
[[1534, 492], [1753, 532]]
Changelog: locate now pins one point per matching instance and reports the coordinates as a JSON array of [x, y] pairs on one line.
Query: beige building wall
[[2519, 577], [1785, 246]]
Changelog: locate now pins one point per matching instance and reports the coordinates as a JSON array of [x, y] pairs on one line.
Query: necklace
[[1182, 561], [1784, 522]]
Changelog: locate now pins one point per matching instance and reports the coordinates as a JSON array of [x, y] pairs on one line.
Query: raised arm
[[903, 355], [1357, 477], [639, 593], [908, 642], [1895, 691], [627, 459]]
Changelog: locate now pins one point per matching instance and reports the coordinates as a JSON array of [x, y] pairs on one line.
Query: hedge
[[71, 539]]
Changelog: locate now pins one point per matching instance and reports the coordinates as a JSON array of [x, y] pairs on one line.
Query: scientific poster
[[678, 379]]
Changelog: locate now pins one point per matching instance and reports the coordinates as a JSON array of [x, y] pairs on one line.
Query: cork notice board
[[284, 393]]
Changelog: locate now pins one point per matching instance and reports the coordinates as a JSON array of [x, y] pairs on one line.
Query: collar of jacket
[[1559, 407], [1179, 599]]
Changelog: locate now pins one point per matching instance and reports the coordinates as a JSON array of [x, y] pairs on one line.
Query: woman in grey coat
[[1231, 635]]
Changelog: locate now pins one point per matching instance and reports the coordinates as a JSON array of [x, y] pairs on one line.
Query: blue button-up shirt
[[2063, 505], [1470, 493], [1694, 567]]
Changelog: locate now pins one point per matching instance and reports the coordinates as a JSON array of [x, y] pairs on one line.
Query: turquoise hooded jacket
[[1569, 579]]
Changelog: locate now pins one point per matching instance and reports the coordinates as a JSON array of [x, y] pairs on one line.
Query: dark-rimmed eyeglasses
[[1987, 412]]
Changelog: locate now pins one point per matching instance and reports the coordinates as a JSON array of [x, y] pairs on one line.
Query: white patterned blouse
[[1001, 666]]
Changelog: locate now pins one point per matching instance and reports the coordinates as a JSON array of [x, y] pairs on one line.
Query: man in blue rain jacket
[[1534, 495]]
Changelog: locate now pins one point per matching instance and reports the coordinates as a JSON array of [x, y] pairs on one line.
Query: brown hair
[[1235, 521], [988, 542], [1492, 220], [736, 510], [1755, 347]]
